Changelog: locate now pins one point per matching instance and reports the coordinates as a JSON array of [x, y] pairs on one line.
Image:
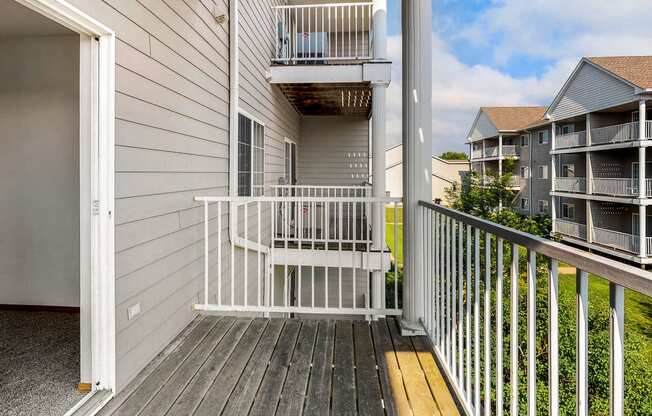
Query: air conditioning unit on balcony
[[311, 46]]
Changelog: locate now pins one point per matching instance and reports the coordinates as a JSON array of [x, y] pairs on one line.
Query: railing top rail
[[324, 186], [252, 199], [614, 271], [305, 6], [628, 235], [635, 123], [575, 133]]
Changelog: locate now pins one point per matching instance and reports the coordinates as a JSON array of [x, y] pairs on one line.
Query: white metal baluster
[[299, 221], [327, 236], [258, 283], [499, 326], [356, 31], [476, 325], [330, 53], [368, 237], [349, 21], [323, 28], [353, 252], [276, 28], [219, 253], [312, 246], [452, 298], [487, 325], [448, 291], [339, 254], [205, 253], [468, 314], [274, 231], [396, 237], [460, 306], [309, 36], [246, 252], [233, 214], [303, 38], [287, 236], [513, 346], [531, 333], [617, 348], [553, 338], [442, 286], [582, 295], [431, 278], [437, 274]]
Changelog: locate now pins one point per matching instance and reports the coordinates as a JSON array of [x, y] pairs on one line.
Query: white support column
[[642, 220], [378, 132], [553, 175], [589, 221], [589, 156], [617, 348], [500, 155], [642, 115], [417, 150], [588, 129]]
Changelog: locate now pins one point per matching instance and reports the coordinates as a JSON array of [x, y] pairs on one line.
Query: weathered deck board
[[320, 377], [229, 366], [343, 371]]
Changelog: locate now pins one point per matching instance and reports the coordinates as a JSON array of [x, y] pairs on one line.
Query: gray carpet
[[39, 362]]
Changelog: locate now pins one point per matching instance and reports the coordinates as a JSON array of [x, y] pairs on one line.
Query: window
[[525, 140], [543, 137], [568, 171], [568, 211], [543, 206], [525, 203], [567, 129], [648, 115], [251, 157], [524, 171], [543, 172]]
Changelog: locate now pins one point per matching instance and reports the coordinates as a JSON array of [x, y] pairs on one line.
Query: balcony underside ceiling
[[340, 99]]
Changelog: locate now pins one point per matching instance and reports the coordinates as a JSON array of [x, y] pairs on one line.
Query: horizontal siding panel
[[139, 184], [129, 159], [128, 133], [137, 232], [132, 209]]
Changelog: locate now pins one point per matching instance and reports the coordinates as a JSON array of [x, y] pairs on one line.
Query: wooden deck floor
[[237, 366]]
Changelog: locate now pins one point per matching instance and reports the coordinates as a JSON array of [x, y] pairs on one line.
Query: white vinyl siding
[[334, 151], [591, 90], [172, 143]]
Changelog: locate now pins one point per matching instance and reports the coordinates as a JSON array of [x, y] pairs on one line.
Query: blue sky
[[511, 52]]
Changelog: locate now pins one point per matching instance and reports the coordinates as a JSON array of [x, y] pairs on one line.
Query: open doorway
[[56, 203]]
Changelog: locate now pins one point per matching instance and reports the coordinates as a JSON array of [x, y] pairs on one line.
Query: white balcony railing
[[472, 272], [510, 150], [570, 228], [323, 33], [616, 186], [615, 239], [517, 182], [491, 151], [358, 191], [575, 139], [281, 255], [476, 153], [616, 134], [570, 184]]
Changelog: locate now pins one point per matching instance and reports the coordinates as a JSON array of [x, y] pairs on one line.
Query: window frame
[[566, 167], [543, 137], [567, 206], [525, 140], [525, 203], [541, 169], [525, 169], [546, 208], [252, 172]]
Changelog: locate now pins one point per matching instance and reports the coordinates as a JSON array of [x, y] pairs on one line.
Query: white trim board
[[97, 120]]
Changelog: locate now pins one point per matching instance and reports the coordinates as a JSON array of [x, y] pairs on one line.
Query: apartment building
[[518, 137], [601, 181], [583, 159]]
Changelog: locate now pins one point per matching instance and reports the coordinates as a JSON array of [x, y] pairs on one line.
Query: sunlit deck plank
[[435, 379]]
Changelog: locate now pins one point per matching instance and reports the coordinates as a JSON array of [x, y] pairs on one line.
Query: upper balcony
[[323, 58], [613, 134]]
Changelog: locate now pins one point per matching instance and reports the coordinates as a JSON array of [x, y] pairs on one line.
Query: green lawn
[[390, 217]]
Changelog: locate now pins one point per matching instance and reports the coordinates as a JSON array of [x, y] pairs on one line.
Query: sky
[[510, 52]]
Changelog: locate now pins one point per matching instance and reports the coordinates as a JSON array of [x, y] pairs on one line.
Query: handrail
[[614, 271]]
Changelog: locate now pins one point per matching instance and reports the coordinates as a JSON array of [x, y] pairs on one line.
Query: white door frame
[[97, 120]]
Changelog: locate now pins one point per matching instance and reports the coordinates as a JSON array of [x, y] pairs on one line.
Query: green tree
[[454, 156]]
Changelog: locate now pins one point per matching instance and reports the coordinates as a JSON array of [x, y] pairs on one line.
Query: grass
[[391, 217]]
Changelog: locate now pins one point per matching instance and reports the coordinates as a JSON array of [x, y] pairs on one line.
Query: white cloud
[[557, 30]]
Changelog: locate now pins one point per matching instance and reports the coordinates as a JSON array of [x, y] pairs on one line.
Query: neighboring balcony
[[571, 229], [509, 150], [619, 240], [576, 185], [619, 133], [323, 58], [624, 187]]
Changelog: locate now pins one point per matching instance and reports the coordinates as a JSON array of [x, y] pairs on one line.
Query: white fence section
[[571, 228], [615, 134], [323, 33], [476, 153], [576, 139], [359, 191], [491, 151], [570, 184], [296, 254], [510, 150], [616, 186], [615, 239], [462, 284]]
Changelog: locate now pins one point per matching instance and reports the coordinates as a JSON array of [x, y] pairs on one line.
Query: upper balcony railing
[[575, 139], [476, 153], [574, 184], [570, 228], [358, 191], [323, 33], [474, 272], [508, 150], [627, 187], [619, 133]]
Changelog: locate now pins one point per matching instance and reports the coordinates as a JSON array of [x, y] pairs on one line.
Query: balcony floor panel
[[234, 366]]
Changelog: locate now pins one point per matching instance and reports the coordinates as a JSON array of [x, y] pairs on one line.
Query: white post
[[417, 150], [642, 115], [589, 221], [642, 231], [553, 175], [378, 129], [617, 344], [500, 155]]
